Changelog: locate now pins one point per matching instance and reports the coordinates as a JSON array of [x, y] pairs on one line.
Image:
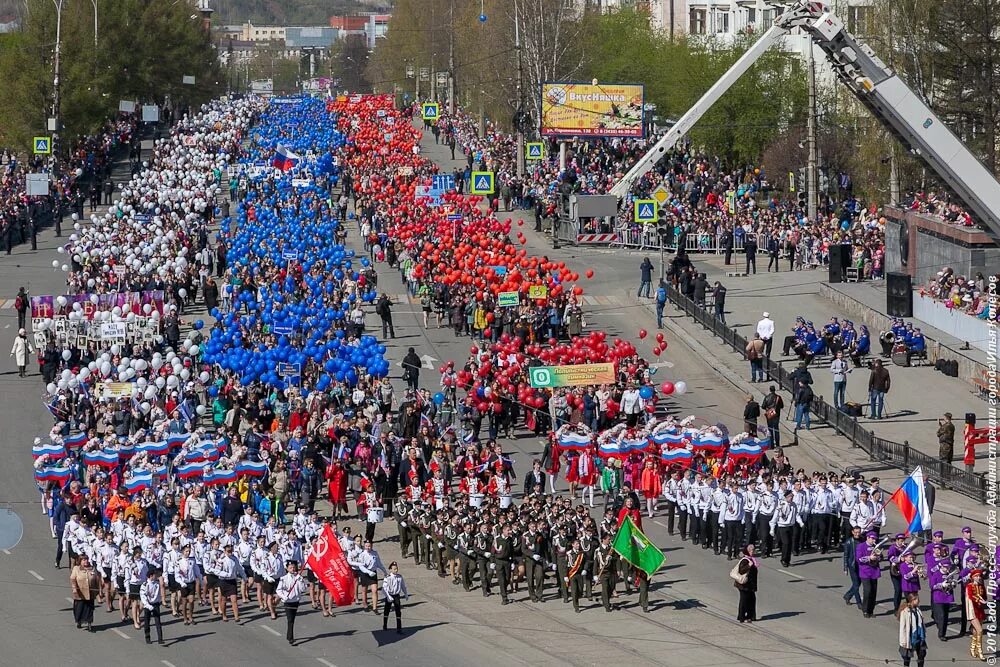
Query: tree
[[144, 50]]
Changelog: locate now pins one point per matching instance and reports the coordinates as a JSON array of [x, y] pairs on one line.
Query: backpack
[[19, 302], [661, 295]]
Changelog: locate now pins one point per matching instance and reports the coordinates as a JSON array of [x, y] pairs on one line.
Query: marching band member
[[975, 603], [437, 489], [869, 556], [786, 516], [893, 554], [767, 502], [909, 574], [942, 579]]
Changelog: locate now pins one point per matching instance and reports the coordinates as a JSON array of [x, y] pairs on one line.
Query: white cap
[[767, 314]]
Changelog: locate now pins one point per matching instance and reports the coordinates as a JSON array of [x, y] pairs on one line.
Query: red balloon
[[589, 273], [667, 388], [656, 351], [642, 333], [659, 338]]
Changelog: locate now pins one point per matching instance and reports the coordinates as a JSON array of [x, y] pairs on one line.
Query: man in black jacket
[[751, 413], [411, 367], [802, 398], [384, 310], [772, 405]]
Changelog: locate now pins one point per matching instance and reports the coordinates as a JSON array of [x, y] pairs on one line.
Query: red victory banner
[[329, 563]]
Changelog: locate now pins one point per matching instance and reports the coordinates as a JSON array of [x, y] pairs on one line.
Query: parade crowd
[[184, 469]]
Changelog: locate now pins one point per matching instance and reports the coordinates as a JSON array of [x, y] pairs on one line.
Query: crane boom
[[876, 86]]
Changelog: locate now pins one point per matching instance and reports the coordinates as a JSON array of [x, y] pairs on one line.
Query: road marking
[[168, 663], [659, 523], [271, 630], [36, 575], [7, 551], [324, 661], [120, 633], [790, 574]]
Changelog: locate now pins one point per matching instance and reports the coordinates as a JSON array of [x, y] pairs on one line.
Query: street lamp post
[[94, 2], [54, 125]]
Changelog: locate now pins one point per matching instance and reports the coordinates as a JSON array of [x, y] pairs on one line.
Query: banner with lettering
[[48, 306], [329, 563]]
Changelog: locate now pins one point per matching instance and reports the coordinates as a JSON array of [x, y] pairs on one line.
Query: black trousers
[[784, 534], [394, 603], [821, 531], [869, 594], [671, 515], [534, 572], [734, 536], [940, 612], [710, 532], [153, 613], [696, 522], [682, 523], [503, 577], [483, 566], [291, 611], [466, 567], [764, 534], [747, 610], [83, 611]]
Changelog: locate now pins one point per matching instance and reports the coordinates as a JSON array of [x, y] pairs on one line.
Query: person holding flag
[[635, 548], [911, 499]]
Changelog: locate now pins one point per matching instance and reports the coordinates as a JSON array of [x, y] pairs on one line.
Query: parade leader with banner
[[329, 563]]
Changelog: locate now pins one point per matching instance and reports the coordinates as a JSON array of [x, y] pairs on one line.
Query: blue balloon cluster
[[272, 231]]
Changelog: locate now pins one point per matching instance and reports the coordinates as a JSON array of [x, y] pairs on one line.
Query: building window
[[697, 22], [721, 20], [767, 17]]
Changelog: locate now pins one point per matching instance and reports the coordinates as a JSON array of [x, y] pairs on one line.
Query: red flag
[[328, 561]]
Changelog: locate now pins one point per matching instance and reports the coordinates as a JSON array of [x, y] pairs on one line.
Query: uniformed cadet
[[785, 518], [402, 516], [466, 555], [481, 545], [533, 551], [767, 501], [576, 573], [560, 548], [290, 589], [503, 552], [604, 562]]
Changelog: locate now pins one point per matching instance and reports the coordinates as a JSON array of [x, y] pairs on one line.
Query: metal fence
[[899, 455], [645, 237]]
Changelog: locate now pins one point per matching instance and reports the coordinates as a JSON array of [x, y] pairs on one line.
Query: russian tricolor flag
[[912, 502], [154, 448], [708, 441], [220, 476], [160, 472], [609, 448], [748, 450], [125, 451], [251, 468], [284, 159], [177, 439], [50, 449], [190, 470], [209, 453], [676, 456], [633, 446], [577, 441], [139, 481], [668, 437], [58, 474], [102, 458], [76, 440]]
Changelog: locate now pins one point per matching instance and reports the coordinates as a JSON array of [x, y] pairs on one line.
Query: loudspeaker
[[898, 295], [840, 260]]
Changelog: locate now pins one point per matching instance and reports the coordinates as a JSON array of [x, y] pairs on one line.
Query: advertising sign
[[507, 299], [586, 110], [542, 377]]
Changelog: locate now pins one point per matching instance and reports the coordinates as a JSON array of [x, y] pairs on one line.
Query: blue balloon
[[199, 324], [646, 392], [438, 398]]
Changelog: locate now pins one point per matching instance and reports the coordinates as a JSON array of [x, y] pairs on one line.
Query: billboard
[[587, 110], [542, 377]]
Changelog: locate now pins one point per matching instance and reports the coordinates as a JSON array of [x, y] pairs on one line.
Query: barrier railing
[[898, 455], [645, 237]]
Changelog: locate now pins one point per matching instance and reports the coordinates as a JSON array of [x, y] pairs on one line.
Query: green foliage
[[144, 49]]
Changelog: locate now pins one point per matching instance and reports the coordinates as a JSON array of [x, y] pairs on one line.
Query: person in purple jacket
[[868, 558], [942, 584], [909, 574], [958, 552], [895, 549]]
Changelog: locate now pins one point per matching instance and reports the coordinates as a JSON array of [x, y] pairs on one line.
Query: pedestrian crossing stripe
[[42, 145], [430, 110], [534, 151], [482, 183], [646, 210]]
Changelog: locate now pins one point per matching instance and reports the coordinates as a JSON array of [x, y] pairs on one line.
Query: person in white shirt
[[369, 565], [394, 588], [105, 555], [290, 590], [187, 573], [270, 570], [766, 330], [135, 574], [170, 558], [229, 569], [151, 597], [632, 405]]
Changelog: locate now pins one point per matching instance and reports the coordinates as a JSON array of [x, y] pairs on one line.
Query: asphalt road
[[803, 620]]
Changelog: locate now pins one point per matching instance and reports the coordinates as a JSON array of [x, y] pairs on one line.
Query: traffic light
[[801, 182], [664, 228]]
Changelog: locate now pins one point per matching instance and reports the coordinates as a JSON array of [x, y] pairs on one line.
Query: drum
[[475, 500], [439, 502], [505, 502], [376, 514]]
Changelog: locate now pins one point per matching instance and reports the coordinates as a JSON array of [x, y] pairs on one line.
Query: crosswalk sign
[[42, 145], [646, 210], [534, 150], [430, 110], [482, 183]]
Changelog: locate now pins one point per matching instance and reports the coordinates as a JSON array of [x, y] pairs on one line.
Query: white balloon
[[65, 268], [61, 301], [145, 407], [680, 387], [66, 354], [200, 409], [194, 350], [116, 349], [51, 388], [55, 264], [182, 292], [147, 309], [185, 374], [84, 373], [204, 377], [65, 375], [160, 382], [150, 393], [73, 383], [62, 384], [172, 381], [106, 368]]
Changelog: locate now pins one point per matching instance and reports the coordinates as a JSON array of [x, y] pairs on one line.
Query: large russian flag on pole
[[912, 502], [284, 159]]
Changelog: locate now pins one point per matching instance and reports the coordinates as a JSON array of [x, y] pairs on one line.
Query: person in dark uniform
[[604, 564], [503, 552], [481, 545], [576, 573], [532, 550]]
